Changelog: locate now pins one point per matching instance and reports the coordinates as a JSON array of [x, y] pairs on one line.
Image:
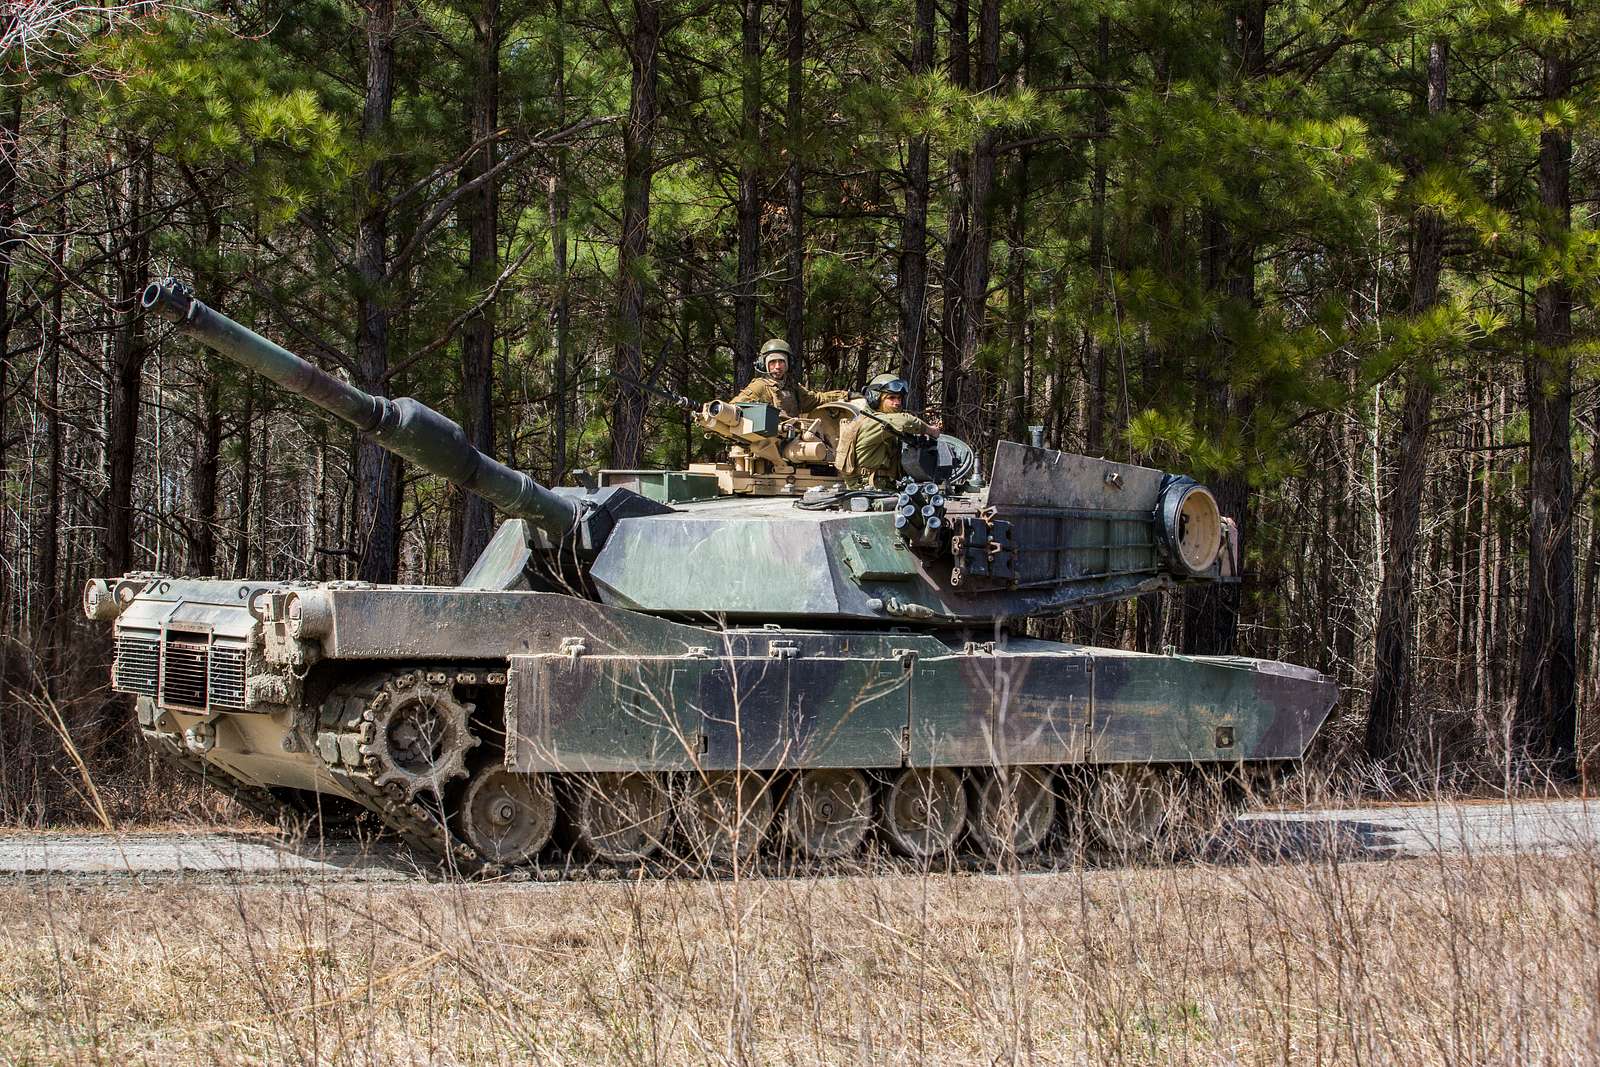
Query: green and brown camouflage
[[628, 630]]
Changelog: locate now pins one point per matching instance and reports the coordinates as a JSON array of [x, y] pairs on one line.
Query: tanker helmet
[[882, 385], [775, 348]]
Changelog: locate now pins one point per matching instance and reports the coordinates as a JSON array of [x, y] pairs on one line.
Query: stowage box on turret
[[734, 657]]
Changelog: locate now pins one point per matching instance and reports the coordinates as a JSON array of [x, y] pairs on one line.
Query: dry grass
[[1445, 960]]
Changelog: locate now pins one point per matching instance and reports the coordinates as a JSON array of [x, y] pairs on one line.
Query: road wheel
[[507, 816], [725, 814], [924, 811], [827, 813], [1014, 811], [1129, 810], [619, 817]]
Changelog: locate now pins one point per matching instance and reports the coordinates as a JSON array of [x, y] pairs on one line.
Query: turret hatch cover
[[875, 556]]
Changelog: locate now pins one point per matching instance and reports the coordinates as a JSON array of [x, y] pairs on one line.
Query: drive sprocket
[[415, 735]]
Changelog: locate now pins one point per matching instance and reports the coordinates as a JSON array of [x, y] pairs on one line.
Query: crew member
[[772, 385], [875, 450]]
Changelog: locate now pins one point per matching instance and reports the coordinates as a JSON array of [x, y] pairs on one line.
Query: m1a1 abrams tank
[[658, 662]]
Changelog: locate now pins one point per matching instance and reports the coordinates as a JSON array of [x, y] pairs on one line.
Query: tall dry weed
[[1314, 952]]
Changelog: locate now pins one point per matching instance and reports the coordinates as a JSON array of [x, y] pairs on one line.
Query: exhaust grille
[[138, 662], [227, 676], [189, 671], [184, 670]]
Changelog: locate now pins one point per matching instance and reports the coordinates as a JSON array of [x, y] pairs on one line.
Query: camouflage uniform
[[791, 399], [877, 451]]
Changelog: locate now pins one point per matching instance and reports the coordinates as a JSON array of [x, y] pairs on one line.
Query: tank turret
[[1051, 531]]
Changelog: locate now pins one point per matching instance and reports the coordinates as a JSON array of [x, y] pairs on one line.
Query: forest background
[[1336, 257]]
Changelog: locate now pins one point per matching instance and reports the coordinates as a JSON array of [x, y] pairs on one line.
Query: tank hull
[[567, 689]]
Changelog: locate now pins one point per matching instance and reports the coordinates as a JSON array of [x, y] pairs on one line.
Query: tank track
[[346, 728]]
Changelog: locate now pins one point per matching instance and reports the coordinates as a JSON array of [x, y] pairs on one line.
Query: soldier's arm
[[911, 424], [810, 401], [805, 398]]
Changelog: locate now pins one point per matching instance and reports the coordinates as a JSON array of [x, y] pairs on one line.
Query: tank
[[738, 657]]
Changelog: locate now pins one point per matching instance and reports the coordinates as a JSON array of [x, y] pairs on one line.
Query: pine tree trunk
[[749, 206], [968, 414], [794, 123], [10, 147], [480, 212], [52, 612], [912, 276], [378, 478], [1017, 365], [1546, 717], [247, 419], [1211, 613], [953, 278], [686, 346], [1588, 729], [1589, 683], [1462, 564], [203, 475], [638, 154], [558, 253], [206, 468], [129, 350], [1482, 551], [1497, 593], [1152, 608], [1094, 421], [1099, 619], [1392, 677], [10, 151]]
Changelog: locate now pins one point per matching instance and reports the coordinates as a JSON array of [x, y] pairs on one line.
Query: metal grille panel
[[227, 676], [137, 664], [184, 672]]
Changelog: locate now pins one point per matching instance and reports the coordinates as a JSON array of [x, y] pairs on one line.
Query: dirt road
[[1375, 833]]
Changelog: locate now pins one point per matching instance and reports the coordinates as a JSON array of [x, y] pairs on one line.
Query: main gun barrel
[[404, 426]]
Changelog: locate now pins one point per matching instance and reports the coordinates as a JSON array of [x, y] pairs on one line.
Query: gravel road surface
[[1384, 832]]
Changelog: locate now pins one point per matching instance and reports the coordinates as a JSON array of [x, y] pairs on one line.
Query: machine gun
[[677, 400]]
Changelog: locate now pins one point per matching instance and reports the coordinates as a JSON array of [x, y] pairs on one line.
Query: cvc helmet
[[882, 385], [777, 346]]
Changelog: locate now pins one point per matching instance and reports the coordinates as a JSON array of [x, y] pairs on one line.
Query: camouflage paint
[[744, 560], [769, 700], [397, 623], [596, 688]]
